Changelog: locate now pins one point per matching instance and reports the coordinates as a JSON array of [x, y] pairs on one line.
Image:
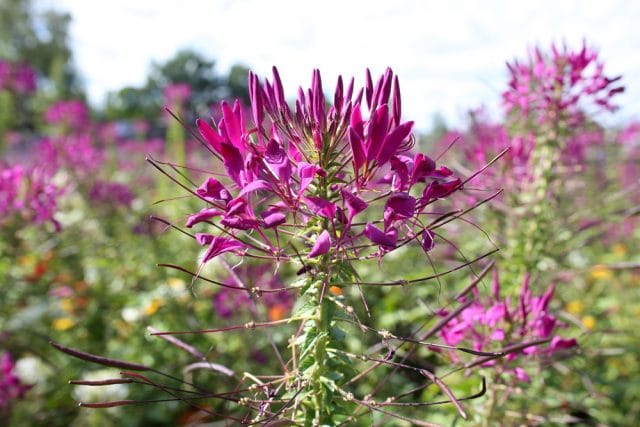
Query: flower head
[[495, 321], [319, 164]]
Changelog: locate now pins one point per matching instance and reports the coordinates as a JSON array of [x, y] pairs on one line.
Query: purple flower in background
[[177, 94], [29, 193], [111, 193], [73, 152], [10, 182], [17, 77], [72, 114], [11, 388], [5, 70], [494, 323], [561, 85], [24, 79], [229, 302]]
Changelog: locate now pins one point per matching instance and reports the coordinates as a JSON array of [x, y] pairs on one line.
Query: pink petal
[[321, 246]]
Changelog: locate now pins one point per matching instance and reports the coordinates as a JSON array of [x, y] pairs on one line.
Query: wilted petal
[[203, 238], [237, 206], [321, 246], [437, 190], [399, 165]]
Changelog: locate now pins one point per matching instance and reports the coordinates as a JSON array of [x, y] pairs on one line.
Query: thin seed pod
[[105, 361], [179, 343], [102, 382]]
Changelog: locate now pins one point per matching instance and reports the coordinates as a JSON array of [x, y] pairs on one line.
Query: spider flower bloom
[[320, 165], [497, 323], [321, 185], [563, 85], [72, 115], [29, 193]]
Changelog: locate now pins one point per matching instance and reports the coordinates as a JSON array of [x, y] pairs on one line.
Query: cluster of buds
[[496, 322]]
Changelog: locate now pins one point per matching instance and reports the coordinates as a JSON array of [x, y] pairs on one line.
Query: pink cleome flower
[[278, 163], [495, 322]]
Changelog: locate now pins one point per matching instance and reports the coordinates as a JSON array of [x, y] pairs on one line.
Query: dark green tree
[[40, 38], [188, 67]]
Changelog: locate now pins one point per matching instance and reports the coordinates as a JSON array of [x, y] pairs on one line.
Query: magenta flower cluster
[[177, 93], [496, 322], [29, 193], [17, 77], [551, 95], [318, 165], [72, 114], [560, 85], [11, 388], [111, 194], [73, 152]]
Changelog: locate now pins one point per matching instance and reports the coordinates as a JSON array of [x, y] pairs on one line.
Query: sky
[[449, 55]]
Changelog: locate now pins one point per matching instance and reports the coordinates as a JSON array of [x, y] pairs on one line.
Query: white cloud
[[449, 55]]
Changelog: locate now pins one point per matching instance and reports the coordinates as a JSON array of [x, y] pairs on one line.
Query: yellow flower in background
[[153, 306], [619, 249], [589, 322], [63, 323], [176, 284], [575, 307], [26, 260], [600, 272], [66, 304]]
